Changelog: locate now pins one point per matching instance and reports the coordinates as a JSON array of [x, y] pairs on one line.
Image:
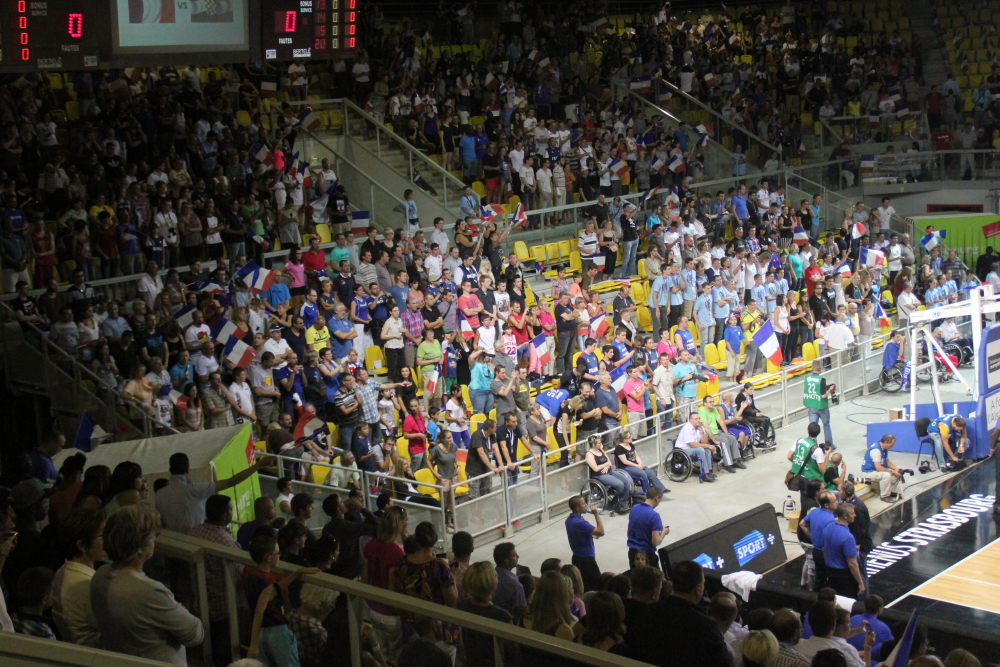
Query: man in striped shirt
[[587, 243]]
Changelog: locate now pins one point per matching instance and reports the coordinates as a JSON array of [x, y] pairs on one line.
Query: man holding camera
[[950, 440], [877, 466], [816, 398]]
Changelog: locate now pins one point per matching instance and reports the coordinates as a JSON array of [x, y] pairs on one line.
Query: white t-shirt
[[488, 339], [277, 348], [885, 216], [204, 367], [243, 396], [895, 257], [527, 175], [544, 177], [150, 287], [456, 411], [433, 265], [197, 333], [689, 434], [212, 223]]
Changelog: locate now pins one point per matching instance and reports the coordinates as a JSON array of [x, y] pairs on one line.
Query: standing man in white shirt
[[885, 215], [150, 285], [587, 244], [440, 236], [906, 303], [300, 84], [544, 179], [516, 158], [278, 346], [894, 258], [528, 185], [763, 199]]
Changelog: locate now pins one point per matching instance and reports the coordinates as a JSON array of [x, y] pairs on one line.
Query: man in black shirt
[[508, 436], [234, 232], [25, 308], [642, 622], [433, 319], [687, 636], [630, 241], [372, 245], [589, 415], [566, 321], [571, 379], [860, 527], [599, 210], [295, 336], [817, 303]]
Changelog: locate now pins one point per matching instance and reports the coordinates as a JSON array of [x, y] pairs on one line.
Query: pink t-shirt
[[633, 405], [545, 318], [298, 274], [381, 558]]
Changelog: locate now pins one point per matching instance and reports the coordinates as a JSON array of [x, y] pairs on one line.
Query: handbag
[[793, 478]]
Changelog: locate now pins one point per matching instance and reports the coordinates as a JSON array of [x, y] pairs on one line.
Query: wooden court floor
[[973, 582]]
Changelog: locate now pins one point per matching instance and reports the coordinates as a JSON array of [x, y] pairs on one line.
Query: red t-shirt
[[314, 261], [813, 276], [470, 301], [415, 424], [520, 334], [942, 140], [381, 558]]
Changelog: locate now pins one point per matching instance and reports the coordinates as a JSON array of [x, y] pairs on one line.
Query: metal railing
[[860, 130], [196, 552], [536, 496], [694, 112], [17, 650], [36, 366], [357, 122]]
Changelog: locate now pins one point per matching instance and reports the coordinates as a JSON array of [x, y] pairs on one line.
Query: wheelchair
[[891, 381], [679, 464], [963, 353], [597, 494]]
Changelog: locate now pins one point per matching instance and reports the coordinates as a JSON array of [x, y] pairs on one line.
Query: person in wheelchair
[[717, 435], [733, 421], [744, 402], [941, 358], [602, 470], [892, 355], [628, 459], [693, 439], [951, 336]]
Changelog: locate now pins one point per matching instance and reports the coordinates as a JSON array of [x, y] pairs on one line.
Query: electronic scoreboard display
[[70, 35], [308, 29], [51, 34]]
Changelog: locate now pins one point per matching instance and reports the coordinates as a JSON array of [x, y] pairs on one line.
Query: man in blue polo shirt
[[645, 529], [593, 363], [581, 535], [815, 526], [841, 553], [739, 205]]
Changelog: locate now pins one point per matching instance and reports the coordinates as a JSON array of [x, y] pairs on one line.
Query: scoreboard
[[304, 29], [75, 35], [50, 34]]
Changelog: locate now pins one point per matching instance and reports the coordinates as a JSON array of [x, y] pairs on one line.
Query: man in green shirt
[[729, 445], [816, 398], [429, 360], [814, 466]]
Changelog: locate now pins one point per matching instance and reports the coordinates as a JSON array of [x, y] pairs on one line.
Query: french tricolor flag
[[767, 342], [540, 349], [657, 165], [465, 326], [799, 235], [618, 379], [598, 325], [676, 164], [871, 257], [305, 176], [868, 164], [487, 213], [710, 79], [883, 317], [309, 120], [618, 167], [256, 278], [359, 222], [431, 376], [932, 239], [858, 230], [844, 269], [238, 353], [520, 218], [184, 317], [169, 393], [224, 330], [269, 86]]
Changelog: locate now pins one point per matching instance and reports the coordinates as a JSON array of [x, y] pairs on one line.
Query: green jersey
[[811, 469], [812, 392]]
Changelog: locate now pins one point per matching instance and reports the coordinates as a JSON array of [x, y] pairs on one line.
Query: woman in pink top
[[382, 553], [548, 324], [635, 402], [297, 272], [665, 346]]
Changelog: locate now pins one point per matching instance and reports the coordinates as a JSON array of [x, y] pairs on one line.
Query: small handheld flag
[[238, 353], [540, 349], [224, 330], [799, 236], [883, 317], [844, 269], [871, 257], [858, 230], [520, 218], [89, 434], [932, 239], [465, 326], [598, 325]]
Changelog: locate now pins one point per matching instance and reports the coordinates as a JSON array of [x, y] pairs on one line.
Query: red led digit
[[350, 43], [75, 25], [321, 17], [320, 30], [320, 44], [352, 17], [290, 19], [320, 5], [24, 38], [22, 22], [22, 6], [350, 29], [25, 54], [353, 4]]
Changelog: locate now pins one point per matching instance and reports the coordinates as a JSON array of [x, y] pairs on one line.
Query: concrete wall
[[911, 199]]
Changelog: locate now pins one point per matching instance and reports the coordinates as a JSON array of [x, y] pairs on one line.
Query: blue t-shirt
[[740, 204], [467, 144], [818, 521], [277, 295], [642, 521], [177, 372], [42, 467], [703, 309], [339, 347], [734, 336], [309, 313], [552, 399], [579, 531], [296, 390], [593, 365], [689, 388], [838, 546], [882, 634], [890, 355]]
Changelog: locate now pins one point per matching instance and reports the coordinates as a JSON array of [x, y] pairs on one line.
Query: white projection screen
[[179, 26]]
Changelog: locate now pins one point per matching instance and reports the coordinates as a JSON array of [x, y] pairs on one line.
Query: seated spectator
[[34, 590], [135, 614], [306, 623], [82, 533]]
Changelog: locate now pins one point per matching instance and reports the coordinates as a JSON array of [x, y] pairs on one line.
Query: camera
[[697, 377], [904, 473]]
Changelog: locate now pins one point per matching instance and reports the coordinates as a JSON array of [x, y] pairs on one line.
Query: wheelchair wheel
[[679, 465], [595, 494], [966, 357], [891, 380]]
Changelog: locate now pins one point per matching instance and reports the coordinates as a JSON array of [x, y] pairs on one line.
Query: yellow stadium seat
[[538, 254], [551, 252], [475, 421], [565, 248], [575, 263], [645, 317], [523, 453], [521, 250], [375, 360], [479, 188], [318, 474], [465, 397], [243, 118], [323, 230], [72, 110], [513, 202], [712, 356], [553, 445], [427, 477], [403, 448]]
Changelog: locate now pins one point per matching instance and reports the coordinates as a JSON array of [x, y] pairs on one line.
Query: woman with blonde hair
[[959, 657], [572, 573], [549, 613], [759, 648], [479, 583]]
